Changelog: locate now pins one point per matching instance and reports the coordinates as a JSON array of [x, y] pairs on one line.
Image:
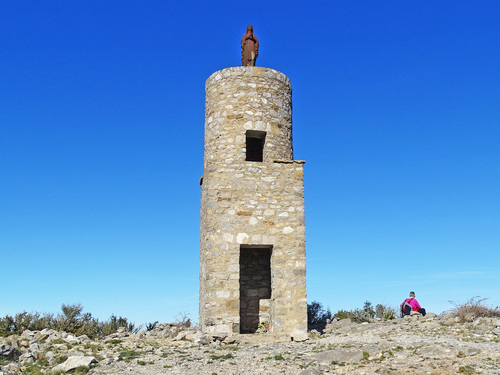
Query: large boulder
[[73, 362], [299, 334], [28, 335], [202, 339]]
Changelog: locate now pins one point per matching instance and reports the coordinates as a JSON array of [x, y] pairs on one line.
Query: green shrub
[[368, 308], [71, 320], [385, 312], [367, 313], [33, 370], [389, 315], [81, 370], [127, 355], [111, 326], [317, 315], [466, 369], [151, 326], [360, 316], [342, 314], [7, 326], [61, 359]]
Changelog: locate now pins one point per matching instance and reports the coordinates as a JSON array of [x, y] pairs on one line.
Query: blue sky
[[396, 111]]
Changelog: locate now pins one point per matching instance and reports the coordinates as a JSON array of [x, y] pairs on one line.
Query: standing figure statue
[[249, 47]]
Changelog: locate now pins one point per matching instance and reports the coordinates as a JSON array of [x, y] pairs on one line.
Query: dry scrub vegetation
[[474, 308]]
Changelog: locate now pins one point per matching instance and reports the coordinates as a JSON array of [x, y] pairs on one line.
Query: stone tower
[[252, 245]]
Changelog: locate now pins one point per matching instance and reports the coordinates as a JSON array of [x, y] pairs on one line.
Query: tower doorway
[[255, 284]]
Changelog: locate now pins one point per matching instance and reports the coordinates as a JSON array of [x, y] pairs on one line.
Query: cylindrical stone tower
[[252, 245]]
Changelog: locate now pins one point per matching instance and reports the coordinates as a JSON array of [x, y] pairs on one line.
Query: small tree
[[317, 316], [368, 308]]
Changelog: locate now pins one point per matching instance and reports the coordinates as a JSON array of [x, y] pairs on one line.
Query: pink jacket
[[415, 306]]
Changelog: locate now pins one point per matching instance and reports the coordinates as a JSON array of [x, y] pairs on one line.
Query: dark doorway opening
[[255, 283], [255, 145]]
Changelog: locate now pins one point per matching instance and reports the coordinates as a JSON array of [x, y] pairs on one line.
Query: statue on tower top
[[249, 47]]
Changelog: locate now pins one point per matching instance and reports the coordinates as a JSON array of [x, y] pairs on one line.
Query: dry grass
[[473, 309]]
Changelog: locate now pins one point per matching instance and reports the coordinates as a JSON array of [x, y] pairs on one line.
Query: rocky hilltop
[[413, 345]]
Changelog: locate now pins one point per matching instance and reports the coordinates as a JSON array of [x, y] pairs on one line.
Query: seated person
[[411, 304]]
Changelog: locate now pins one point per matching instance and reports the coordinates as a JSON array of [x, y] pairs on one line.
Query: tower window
[[255, 145]]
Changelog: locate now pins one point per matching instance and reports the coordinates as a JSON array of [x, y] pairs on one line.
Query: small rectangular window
[[255, 145]]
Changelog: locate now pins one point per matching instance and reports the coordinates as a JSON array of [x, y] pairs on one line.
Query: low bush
[[71, 320], [367, 313], [385, 312], [343, 314], [474, 308], [151, 326]]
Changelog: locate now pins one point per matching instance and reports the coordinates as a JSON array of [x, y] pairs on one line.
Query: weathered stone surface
[[74, 353], [437, 352], [392, 347], [180, 336], [340, 355], [27, 358], [74, 362], [310, 371], [299, 334], [252, 208], [202, 339], [28, 335]]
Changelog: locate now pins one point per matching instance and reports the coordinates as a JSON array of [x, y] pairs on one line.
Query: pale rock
[[70, 339], [74, 362], [242, 238], [180, 336], [229, 340], [28, 335], [472, 351], [202, 339], [299, 334], [83, 338], [437, 352], [27, 358]]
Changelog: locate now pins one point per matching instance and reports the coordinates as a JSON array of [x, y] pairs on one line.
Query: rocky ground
[[413, 345]]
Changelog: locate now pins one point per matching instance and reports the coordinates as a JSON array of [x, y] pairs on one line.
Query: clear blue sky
[[396, 111]]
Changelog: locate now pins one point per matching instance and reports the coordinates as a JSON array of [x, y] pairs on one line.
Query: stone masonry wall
[[247, 98], [251, 203]]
